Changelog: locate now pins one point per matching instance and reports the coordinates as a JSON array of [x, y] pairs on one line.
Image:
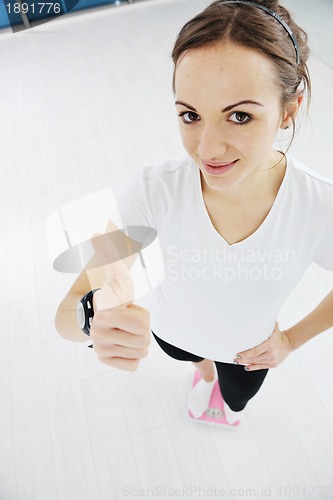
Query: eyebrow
[[225, 110]]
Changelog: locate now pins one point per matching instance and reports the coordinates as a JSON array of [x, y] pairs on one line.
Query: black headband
[[276, 16]]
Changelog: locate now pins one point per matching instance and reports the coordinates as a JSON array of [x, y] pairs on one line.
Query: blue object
[[34, 14]]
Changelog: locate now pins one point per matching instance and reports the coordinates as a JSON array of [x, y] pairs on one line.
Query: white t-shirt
[[218, 299]]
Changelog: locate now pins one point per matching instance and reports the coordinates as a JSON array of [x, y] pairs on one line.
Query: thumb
[[118, 289], [112, 247]]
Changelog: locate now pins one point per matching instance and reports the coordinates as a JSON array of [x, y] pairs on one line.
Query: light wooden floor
[[86, 101]]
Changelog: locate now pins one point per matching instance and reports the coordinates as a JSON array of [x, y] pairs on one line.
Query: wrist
[[291, 338], [95, 299], [298, 335], [85, 311]]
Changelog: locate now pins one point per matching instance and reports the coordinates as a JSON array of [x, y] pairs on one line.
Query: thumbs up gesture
[[120, 330]]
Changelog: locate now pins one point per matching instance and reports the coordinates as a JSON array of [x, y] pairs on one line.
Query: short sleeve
[[325, 258], [134, 204], [138, 223]]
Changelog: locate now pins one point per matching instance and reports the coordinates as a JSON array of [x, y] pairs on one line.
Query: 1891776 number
[[32, 8]]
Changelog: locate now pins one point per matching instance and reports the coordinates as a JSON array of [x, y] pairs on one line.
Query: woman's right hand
[[120, 330]]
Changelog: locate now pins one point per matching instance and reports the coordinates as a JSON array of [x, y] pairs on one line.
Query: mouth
[[218, 168]]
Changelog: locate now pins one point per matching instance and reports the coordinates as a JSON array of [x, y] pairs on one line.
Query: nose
[[212, 144]]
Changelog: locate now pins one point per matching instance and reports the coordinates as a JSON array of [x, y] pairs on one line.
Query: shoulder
[[311, 198], [149, 194], [169, 171], [310, 184], [310, 177], [157, 179]]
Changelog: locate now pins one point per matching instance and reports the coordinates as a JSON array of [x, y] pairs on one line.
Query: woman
[[239, 222]]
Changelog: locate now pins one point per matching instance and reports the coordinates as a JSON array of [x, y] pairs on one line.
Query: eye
[[240, 118], [189, 116]]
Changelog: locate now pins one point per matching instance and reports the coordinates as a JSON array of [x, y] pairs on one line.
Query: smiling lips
[[218, 168]]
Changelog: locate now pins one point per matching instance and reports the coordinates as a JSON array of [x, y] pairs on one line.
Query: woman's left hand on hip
[[268, 354]]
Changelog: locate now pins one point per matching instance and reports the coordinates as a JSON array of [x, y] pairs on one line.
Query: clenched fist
[[120, 330]]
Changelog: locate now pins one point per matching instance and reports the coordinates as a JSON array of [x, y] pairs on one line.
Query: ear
[[291, 112]]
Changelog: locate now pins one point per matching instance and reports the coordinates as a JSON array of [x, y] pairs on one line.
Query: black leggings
[[237, 386]]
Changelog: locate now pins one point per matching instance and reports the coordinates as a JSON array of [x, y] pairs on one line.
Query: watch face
[[80, 315]]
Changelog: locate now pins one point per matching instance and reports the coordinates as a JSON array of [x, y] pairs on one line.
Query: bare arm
[[65, 320], [280, 344], [93, 276], [317, 321]]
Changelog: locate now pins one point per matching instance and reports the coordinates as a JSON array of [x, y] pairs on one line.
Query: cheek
[[188, 138], [262, 136]]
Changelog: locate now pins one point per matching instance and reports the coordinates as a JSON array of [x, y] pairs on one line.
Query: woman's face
[[230, 112]]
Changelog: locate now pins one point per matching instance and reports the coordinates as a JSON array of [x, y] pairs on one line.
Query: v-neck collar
[[266, 221]]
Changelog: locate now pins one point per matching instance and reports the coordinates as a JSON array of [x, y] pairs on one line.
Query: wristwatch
[[85, 311]]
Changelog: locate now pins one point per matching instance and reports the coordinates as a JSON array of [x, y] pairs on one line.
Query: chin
[[219, 184]]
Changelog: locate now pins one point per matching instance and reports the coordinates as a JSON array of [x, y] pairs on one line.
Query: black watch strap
[[88, 308]]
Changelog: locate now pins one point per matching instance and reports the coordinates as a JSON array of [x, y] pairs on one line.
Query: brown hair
[[250, 26]]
